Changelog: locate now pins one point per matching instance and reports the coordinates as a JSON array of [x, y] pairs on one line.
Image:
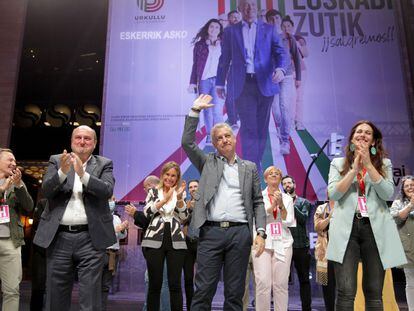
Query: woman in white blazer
[[272, 267], [361, 228]]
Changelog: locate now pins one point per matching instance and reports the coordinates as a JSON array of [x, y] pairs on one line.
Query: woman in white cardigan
[[272, 268]]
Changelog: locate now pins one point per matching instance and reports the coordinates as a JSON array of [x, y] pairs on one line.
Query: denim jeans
[[165, 292], [361, 247], [283, 106], [214, 114]]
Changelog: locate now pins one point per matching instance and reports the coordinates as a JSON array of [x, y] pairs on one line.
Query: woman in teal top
[[361, 227]]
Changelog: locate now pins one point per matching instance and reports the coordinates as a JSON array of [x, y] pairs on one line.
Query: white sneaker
[[284, 148]]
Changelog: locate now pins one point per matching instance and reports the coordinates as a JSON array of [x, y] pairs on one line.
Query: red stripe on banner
[[295, 168], [269, 4], [221, 7], [179, 156]]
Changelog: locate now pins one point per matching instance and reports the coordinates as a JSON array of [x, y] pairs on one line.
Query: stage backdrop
[[353, 71]]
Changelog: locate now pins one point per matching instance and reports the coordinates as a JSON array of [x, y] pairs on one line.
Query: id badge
[[4, 214], [362, 206], [276, 230]]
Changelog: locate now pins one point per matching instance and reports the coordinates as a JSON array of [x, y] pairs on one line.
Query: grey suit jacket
[[211, 170], [95, 199]]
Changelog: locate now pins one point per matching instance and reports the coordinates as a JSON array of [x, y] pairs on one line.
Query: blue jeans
[[282, 108], [361, 246], [165, 292], [214, 114]]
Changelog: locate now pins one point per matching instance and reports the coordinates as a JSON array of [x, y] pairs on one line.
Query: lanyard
[[275, 209], [361, 182]]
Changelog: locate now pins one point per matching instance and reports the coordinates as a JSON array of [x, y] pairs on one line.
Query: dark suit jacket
[[269, 54], [95, 199], [211, 170]]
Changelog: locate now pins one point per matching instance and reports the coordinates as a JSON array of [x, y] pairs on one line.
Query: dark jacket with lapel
[[95, 199]]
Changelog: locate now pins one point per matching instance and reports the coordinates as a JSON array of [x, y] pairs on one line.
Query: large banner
[[352, 70]]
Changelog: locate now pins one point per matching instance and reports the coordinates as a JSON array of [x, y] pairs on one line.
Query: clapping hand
[[6, 185], [121, 227], [77, 164], [277, 196], [168, 196], [181, 189], [203, 101], [65, 162], [16, 178], [362, 149]]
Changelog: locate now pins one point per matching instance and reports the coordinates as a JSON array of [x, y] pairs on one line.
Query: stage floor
[[127, 302]]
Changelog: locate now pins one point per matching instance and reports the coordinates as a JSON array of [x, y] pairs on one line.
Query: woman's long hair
[[203, 32], [375, 159]]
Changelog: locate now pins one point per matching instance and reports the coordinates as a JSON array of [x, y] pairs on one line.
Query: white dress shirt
[[75, 210]]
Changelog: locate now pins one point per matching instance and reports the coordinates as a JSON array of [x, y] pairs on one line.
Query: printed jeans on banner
[[283, 106]]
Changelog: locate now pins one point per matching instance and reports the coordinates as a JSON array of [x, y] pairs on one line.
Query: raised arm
[[188, 140]]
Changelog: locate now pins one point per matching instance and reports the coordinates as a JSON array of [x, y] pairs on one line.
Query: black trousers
[[68, 252], [189, 261], [329, 291], [217, 248], [107, 276], [155, 263], [361, 246], [38, 278], [301, 259]]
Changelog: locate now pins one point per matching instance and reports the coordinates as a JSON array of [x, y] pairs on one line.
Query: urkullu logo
[[150, 5]]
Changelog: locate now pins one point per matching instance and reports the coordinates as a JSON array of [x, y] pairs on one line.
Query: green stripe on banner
[[323, 162], [233, 5], [281, 7]]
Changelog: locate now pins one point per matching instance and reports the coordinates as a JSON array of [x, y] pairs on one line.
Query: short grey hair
[[5, 150], [152, 179], [220, 126]]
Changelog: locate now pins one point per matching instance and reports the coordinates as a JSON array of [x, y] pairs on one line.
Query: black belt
[[250, 76], [73, 228], [360, 217], [224, 224], [191, 240]]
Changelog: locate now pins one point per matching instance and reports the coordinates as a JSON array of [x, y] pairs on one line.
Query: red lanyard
[[361, 182], [275, 209]]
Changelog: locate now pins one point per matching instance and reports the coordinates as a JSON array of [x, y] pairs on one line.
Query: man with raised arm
[[229, 199]]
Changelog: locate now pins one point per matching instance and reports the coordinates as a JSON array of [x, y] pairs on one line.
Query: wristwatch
[[262, 234]]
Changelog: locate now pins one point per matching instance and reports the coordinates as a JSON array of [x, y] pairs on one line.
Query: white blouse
[[279, 240]]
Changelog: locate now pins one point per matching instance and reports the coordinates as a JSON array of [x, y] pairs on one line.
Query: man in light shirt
[[228, 201], [76, 228], [14, 198], [253, 61]]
